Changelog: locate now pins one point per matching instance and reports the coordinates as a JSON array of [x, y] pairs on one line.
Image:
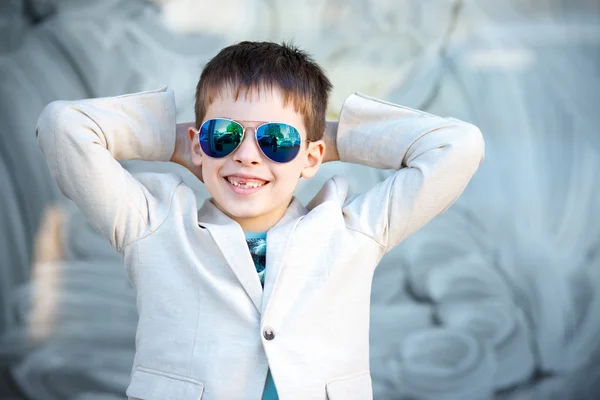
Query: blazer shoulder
[[160, 184], [335, 189], [161, 192], [336, 193]]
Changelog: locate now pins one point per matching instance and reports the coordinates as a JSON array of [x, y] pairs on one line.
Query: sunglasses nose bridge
[[249, 131], [248, 152]]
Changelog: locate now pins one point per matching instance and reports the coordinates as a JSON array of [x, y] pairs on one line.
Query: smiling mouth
[[245, 183]]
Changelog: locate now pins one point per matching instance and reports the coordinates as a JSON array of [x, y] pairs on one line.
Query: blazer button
[[268, 333]]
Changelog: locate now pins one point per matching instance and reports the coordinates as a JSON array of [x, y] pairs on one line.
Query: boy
[[213, 322]]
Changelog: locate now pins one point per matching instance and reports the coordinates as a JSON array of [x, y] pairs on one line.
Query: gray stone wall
[[497, 298]]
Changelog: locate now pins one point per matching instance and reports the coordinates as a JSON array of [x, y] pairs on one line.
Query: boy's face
[[255, 209]]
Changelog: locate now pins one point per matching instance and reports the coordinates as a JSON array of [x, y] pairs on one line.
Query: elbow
[[50, 120], [479, 144], [473, 143]]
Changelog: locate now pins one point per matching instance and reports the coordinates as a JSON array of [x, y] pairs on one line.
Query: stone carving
[[498, 297]]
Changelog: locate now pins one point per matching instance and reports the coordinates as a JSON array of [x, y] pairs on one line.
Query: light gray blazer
[[206, 329]]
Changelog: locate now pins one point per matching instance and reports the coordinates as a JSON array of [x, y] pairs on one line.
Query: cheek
[[288, 175], [210, 171]]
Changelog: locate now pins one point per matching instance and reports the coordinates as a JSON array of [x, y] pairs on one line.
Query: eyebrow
[[243, 120]]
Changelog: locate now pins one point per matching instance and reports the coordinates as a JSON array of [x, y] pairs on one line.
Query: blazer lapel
[[278, 239], [230, 239]]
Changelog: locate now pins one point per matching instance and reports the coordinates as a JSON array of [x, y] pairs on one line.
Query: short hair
[[249, 66]]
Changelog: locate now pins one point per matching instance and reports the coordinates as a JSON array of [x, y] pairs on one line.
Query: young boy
[[214, 323]]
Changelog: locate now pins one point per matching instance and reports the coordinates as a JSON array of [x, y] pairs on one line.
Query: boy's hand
[[182, 154], [330, 137]]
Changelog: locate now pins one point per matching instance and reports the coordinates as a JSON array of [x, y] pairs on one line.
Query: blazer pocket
[[354, 387], [151, 384]]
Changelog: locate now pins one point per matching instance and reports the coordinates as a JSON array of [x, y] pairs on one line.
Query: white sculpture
[[501, 288]]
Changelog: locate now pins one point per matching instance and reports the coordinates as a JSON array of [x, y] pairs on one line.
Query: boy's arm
[[434, 158], [182, 154], [83, 141], [330, 136]]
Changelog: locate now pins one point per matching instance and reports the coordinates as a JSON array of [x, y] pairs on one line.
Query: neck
[[261, 223]]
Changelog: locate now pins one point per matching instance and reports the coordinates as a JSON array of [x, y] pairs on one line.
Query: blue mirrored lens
[[280, 142], [220, 137]]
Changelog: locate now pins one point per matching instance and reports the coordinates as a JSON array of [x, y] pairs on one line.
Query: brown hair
[[249, 66]]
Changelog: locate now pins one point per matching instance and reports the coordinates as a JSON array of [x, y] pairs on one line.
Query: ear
[[197, 154], [314, 158]]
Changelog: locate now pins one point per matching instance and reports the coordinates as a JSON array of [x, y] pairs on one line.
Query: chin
[[244, 212]]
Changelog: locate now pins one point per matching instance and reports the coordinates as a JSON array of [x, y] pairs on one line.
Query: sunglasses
[[220, 137]]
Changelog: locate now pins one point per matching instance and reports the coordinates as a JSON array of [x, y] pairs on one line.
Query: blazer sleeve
[[83, 141], [434, 159]]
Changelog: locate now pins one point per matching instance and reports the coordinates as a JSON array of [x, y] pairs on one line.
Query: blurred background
[[497, 298]]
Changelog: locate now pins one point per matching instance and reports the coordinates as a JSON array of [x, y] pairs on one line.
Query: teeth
[[247, 184]]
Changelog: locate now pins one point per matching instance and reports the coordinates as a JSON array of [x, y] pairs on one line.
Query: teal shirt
[[257, 244]]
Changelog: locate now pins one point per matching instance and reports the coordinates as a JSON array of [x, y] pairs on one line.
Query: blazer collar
[[230, 239]]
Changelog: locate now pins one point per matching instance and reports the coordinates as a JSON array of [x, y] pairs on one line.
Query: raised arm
[[83, 141], [434, 158]]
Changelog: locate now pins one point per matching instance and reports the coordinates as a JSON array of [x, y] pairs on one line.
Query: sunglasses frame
[[255, 138]]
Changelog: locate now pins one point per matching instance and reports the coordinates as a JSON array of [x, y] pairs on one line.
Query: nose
[[248, 153]]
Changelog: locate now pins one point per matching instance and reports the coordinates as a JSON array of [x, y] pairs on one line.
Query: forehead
[[255, 105]]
